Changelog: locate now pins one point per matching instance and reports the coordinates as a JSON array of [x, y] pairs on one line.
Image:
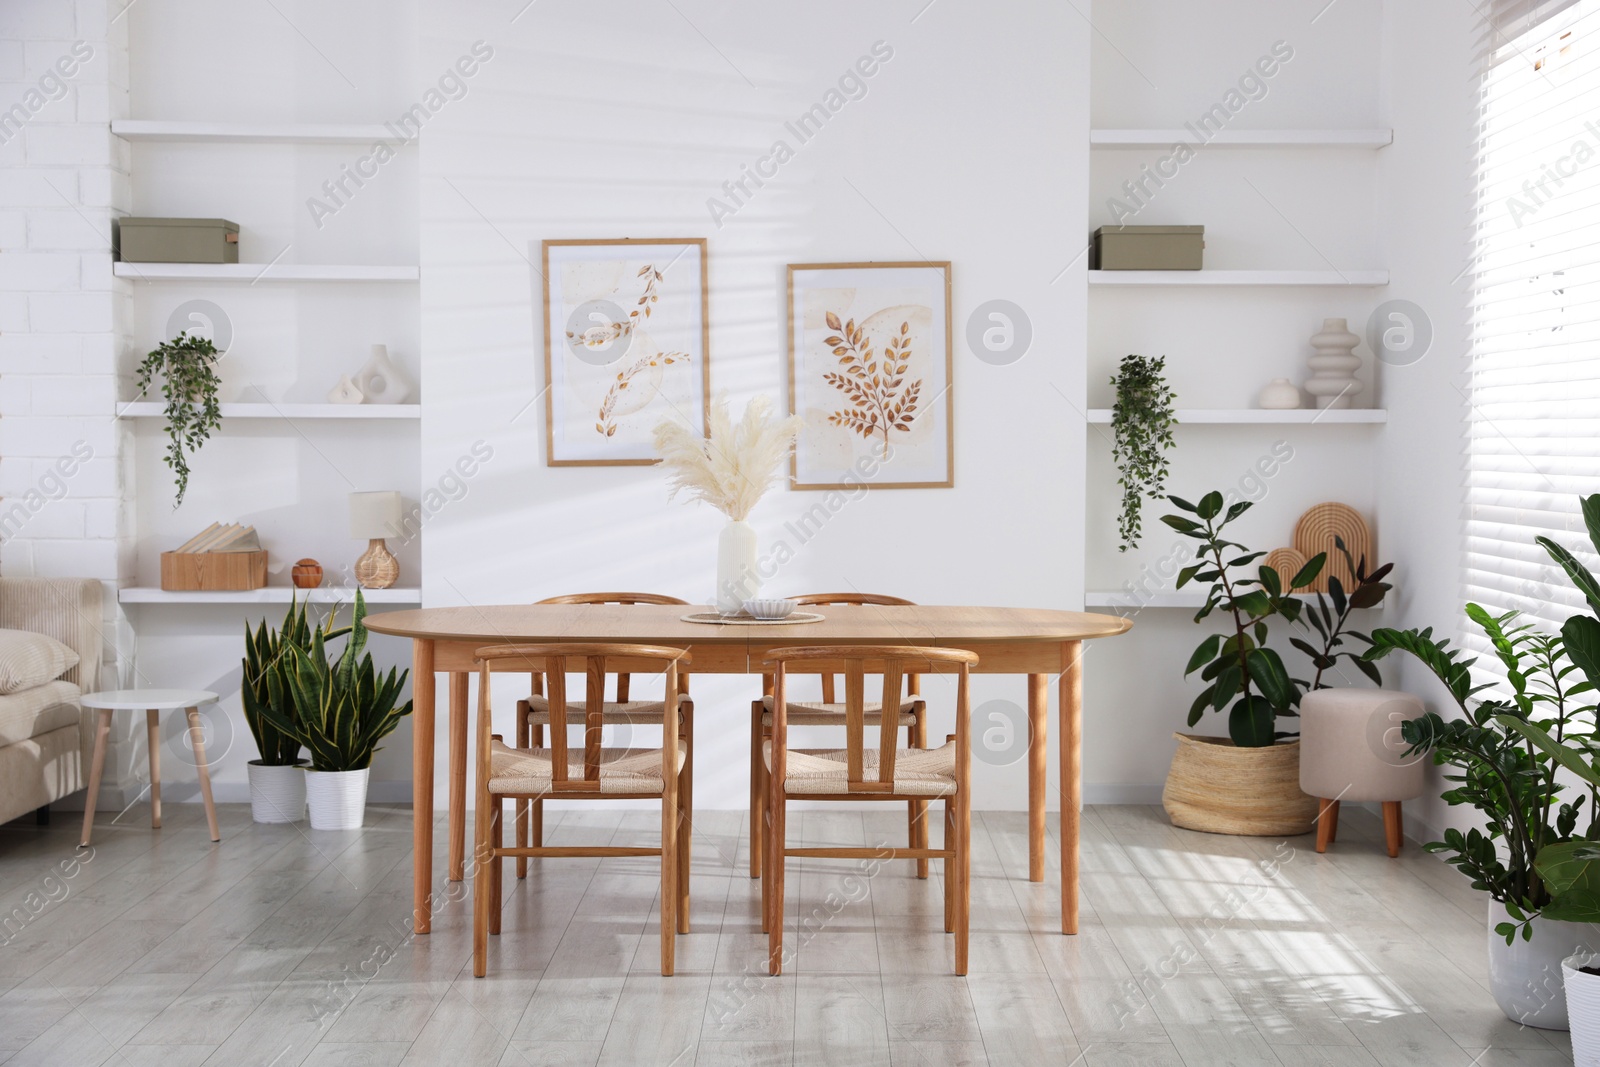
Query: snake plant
[[266, 658], [342, 709]]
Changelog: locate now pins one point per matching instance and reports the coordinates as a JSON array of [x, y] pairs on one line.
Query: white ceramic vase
[[1333, 368], [380, 381], [337, 799], [1583, 1007], [346, 392], [1280, 394], [277, 794], [737, 580], [1525, 976]]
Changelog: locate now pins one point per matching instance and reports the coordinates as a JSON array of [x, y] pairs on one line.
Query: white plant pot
[[1525, 976], [337, 799], [1583, 1007], [277, 794], [737, 579]]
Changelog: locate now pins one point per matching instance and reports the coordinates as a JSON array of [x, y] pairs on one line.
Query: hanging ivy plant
[[187, 366], [1141, 425]]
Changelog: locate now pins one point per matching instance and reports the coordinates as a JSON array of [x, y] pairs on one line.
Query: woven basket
[[1219, 788]]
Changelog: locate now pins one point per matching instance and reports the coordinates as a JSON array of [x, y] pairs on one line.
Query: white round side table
[[152, 702]]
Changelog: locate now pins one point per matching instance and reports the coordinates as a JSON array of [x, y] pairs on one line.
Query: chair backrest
[[855, 662], [609, 598], [872, 599], [596, 660]]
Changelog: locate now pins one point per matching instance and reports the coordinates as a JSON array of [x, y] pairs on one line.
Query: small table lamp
[[375, 516]]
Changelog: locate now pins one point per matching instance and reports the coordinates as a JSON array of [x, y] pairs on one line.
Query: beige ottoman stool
[[1351, 749]]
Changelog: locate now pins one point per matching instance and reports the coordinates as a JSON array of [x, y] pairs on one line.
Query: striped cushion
[[28, 659], [637, 712], [37, 711], [816, 713], [921, 772], [622, 770]]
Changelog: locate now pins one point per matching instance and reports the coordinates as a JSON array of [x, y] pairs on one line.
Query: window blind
[[1534, 378]]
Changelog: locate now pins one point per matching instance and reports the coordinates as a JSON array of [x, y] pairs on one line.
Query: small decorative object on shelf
[[222, 557], [1333, 369], [145, 240], [1280, 394], [188, 368], [307, 574], [374, 516], [1141, 425], [346, 392], [1325, 526], [1288, 562], [730, 469], [380, 381], [1148, 248]]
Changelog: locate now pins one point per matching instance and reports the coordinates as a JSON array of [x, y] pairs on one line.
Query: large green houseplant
[[1249, 784], [277, 786], [342, 710]]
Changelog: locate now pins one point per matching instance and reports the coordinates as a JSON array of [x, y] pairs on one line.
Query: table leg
[[457, 815], [1038, 727], [421, 784], [1071, 778], [197, 737], [102, 734], [152, 725]]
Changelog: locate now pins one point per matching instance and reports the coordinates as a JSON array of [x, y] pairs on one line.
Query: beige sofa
[[46, 740]]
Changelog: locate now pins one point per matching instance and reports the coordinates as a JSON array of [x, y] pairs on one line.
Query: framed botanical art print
[[870, 375], [627, 344]]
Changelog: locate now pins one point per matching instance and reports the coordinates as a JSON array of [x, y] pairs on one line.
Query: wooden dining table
[[1036, 642]]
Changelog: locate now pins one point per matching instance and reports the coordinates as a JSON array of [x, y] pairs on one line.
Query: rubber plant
[[266, 679], [189, 382], [344, 708], [1141, 431]]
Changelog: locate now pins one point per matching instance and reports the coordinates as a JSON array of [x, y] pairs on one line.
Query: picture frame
[[860, 427], [623, 313]]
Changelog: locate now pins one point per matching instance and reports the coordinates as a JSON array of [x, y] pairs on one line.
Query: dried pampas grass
[[733, 467]]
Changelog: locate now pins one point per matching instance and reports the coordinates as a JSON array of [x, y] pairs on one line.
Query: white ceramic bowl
[[769, 608]]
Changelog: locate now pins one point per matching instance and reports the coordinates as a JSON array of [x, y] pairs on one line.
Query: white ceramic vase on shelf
[[380, 381], [337, 799], [1280, 394], [1525, 977], [1333, 369], [737, 580], [346, 392]]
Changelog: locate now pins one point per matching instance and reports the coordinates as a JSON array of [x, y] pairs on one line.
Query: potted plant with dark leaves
[[1142, 418], [189, 383], [277, 777], [1249, 781], [342, 710]]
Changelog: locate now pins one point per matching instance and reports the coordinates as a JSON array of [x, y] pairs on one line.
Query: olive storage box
[[1148, 247], [178, 241]]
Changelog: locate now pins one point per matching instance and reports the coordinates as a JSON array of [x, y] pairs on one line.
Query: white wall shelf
[[272, 594], [1350, 278], [1152, 138], [263, 272], [1263, 417], [251, 133], [147, 409], [1193, 599]]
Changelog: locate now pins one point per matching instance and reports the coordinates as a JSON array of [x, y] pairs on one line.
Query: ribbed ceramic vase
[[277, 794], [337, 799], [1333, 369], [1583, 1007]]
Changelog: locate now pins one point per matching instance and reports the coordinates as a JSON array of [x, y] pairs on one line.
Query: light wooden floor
[[281, 946]]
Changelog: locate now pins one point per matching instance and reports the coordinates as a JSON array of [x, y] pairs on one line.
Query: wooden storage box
[[1148, 248], [213, 571], [150, 240]]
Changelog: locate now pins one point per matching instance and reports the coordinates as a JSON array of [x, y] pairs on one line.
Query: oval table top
[[147, 699], [664, 624]]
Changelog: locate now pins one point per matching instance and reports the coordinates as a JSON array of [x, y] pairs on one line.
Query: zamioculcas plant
[[1141, 427], [266, 667], [342, 709], [187, 366]]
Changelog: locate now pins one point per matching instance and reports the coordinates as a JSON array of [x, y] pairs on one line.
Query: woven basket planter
[[1219, 788]]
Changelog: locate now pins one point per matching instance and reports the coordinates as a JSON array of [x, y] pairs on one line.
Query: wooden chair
[[589, 773], [828, 712], [870, 767], [533, 715]]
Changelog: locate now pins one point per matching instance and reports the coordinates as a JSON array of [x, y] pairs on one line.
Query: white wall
[[968, 146]]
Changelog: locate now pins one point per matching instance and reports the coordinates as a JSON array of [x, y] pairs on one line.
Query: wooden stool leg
[[197, 738], [758, 788], [152, 725], [1393, 831], [918, 809], [98, 764], [1333, 822], [457, 815], [1325, 817]]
